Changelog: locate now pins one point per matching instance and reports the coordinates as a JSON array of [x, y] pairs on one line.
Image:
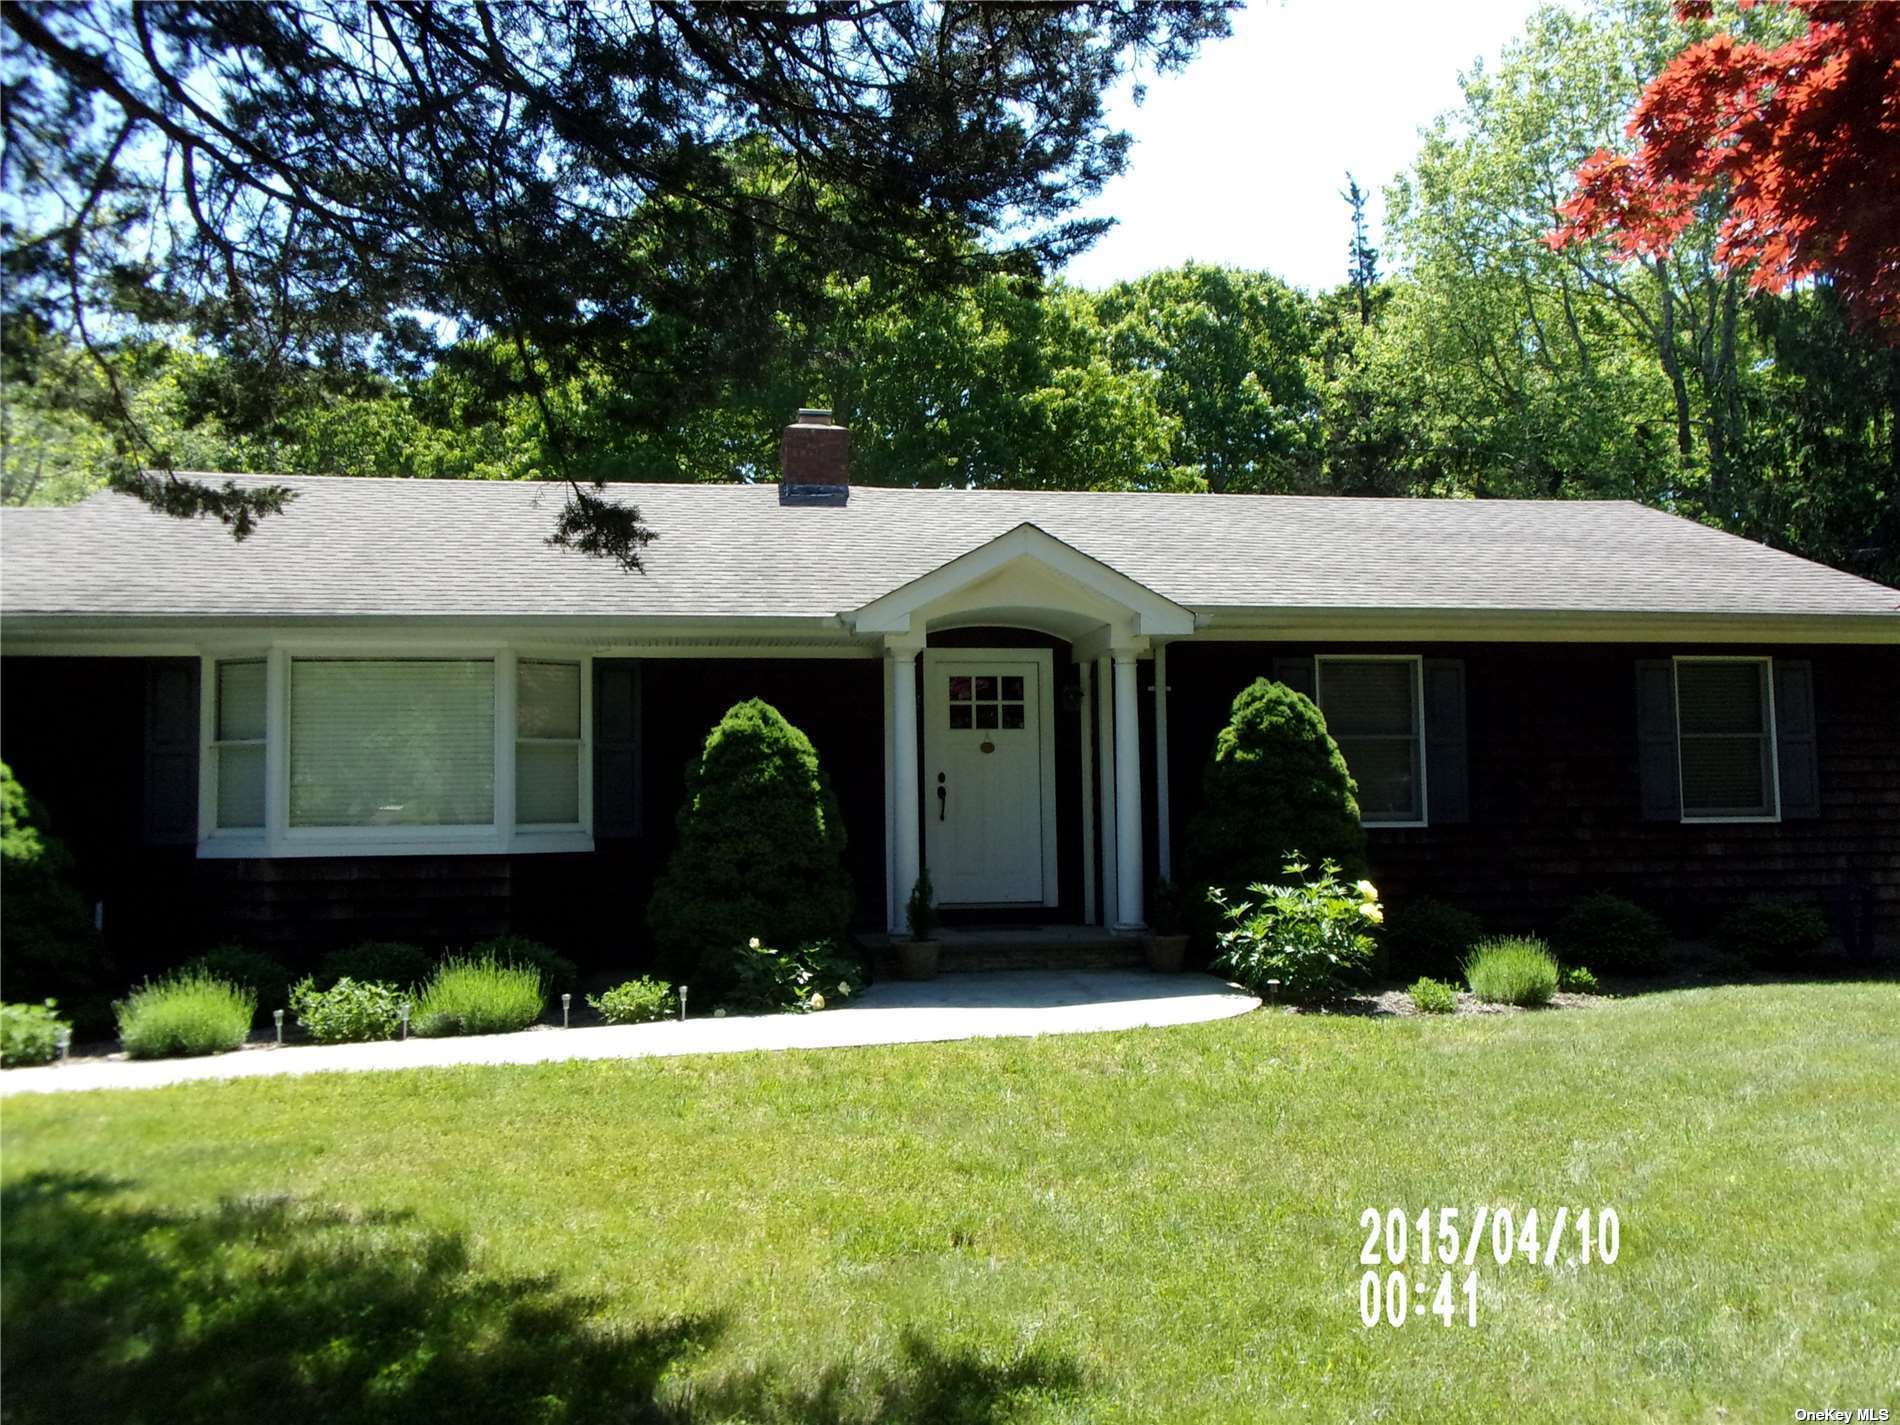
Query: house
[[397, 710]]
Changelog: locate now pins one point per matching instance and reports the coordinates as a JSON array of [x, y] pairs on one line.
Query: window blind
[[240, 744], [1371, 709], [392, 743], [547, 743], [1722, 724]]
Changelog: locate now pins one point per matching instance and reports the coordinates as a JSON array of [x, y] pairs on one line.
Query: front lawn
[[1155, 1225]]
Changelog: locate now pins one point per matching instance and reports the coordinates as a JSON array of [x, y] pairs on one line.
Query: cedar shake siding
[[94, 740], [1555, 796]]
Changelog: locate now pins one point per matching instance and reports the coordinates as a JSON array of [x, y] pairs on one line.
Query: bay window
[[324, 754]]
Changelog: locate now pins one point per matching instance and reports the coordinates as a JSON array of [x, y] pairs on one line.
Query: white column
[[1128, 887], [1164, 843], [1105, 754], [905, 857], [1088, 798]]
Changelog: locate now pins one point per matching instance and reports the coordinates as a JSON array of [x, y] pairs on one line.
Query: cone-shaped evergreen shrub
[[1276, 785], [760, 851]]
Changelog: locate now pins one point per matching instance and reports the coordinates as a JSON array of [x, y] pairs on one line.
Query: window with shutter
[[1373, 711], [1725, 735]]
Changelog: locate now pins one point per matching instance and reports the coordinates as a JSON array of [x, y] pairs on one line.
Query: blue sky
[[1240, 158]]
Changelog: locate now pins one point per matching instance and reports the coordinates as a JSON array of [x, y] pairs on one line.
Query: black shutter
[[1447, 764], [616, 747], [1656, 739], [1794, 740], [1297, 674], [171, 752]]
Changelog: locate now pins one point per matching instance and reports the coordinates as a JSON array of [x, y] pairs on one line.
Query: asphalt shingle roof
[[406, 548]]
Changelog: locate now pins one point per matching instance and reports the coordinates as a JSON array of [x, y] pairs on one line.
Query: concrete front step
[[1063, 948]]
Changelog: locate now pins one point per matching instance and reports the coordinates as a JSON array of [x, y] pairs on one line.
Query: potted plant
[[1168, 932], [917, 956]]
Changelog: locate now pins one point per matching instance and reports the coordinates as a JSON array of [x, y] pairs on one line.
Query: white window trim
[[278, 839], [209, 745], [1417, 660], [1770, 730]]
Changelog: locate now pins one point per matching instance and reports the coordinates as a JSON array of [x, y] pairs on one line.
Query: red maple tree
[[1802, 143]]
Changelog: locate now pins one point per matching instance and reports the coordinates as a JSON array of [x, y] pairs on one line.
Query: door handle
[[943, 796]]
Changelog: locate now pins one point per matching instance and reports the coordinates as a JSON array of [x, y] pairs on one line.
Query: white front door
[[989, 776]]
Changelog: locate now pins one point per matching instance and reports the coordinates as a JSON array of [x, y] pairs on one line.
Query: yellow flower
[[753, 943], [1368, 891], [844, 988], [1371, 912], [817, 1001]]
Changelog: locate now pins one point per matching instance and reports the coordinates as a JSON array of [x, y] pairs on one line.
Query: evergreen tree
[[1276, 785], [1362, 258], [760, 850]]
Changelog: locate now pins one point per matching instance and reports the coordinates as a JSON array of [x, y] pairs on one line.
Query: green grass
[[1151, 1226]]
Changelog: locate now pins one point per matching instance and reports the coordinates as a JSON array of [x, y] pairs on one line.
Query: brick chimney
[[814, 461]]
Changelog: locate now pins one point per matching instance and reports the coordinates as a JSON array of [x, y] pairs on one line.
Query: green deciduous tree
[[1225, 349]]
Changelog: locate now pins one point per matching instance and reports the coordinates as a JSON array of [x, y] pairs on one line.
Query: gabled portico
[[988, 714]]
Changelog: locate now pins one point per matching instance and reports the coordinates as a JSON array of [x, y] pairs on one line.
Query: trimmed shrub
[[1275, 788], [29, 1034], [1429, 937], [760, 851], [559, 975], [1614, 935], [1773, 935], [478, 997], [1515, 969], [1577, 981], [390, 962], [187, 1012], [1433, 997], [349, 1012], [52, 951], [1313, 935], [762, 978], [638, 1001], [264, 977]]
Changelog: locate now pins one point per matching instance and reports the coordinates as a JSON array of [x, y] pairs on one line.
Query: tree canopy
[[643, 194], [1796, 143], [1469, 358]]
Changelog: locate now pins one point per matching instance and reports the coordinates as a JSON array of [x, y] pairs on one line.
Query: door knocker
[[987, 745]]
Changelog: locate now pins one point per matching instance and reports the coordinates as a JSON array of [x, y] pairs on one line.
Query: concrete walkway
[[1019, 1004]]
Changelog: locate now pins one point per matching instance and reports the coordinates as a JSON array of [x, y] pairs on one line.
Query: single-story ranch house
[[396, 710]]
